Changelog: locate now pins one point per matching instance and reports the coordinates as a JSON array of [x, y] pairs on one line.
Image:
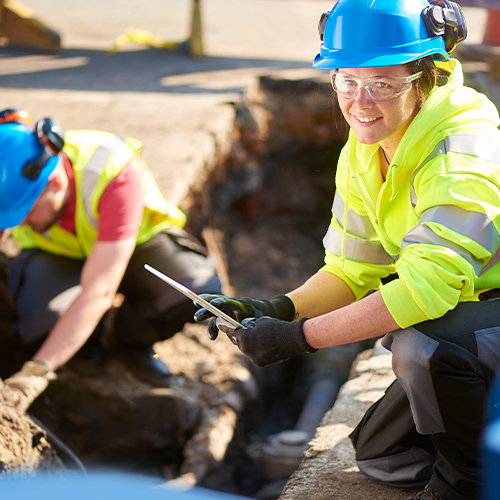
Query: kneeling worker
[[88, 214]]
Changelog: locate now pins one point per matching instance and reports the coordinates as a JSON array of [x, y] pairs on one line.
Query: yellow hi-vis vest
[[97, 158]]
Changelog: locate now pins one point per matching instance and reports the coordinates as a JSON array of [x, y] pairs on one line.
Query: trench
[[271, 200], [268, 204]]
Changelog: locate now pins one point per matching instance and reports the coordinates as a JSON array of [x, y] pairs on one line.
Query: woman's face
[[383, 122]]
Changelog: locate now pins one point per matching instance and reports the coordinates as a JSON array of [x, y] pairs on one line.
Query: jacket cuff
[[401, 304]]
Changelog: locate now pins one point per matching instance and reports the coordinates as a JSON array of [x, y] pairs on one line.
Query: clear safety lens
[[379, 88]]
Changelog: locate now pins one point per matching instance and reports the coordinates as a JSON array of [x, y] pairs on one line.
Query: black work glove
[[268, 340], [279, 307]]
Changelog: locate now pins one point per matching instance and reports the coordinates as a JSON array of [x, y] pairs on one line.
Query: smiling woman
[[418, 201], [367, 100], [378, 104]]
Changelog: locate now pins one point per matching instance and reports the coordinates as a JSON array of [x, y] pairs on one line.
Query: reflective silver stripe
[[91, 171], [475, 145], [473, 225], [464, 144], [422, 234], [357, 225], [370, 252]]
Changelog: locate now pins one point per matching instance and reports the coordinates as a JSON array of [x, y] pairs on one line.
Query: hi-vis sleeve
[[353, 250], [452, 254]]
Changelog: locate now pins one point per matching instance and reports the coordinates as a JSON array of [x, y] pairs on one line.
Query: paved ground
[[176, 105]]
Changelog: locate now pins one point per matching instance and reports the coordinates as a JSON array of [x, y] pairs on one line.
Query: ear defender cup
[[50, 134], [446, 19], [322, 24], [15, 116]]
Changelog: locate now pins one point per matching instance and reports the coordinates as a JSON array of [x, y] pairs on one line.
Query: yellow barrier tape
[[143, 37]]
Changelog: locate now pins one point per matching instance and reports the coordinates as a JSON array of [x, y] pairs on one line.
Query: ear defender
[[445, 19], [322, 24], [15, 116], [50, 135]]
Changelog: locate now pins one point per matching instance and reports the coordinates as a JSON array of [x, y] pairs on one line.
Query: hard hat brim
[[333, 59]]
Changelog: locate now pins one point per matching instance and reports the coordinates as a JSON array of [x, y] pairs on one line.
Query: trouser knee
[[412, 352], [135, 331], [388, 448]]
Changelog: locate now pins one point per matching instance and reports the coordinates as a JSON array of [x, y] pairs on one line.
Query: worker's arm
[[321, 293], [365, 319], [268, 340], [101, 275]]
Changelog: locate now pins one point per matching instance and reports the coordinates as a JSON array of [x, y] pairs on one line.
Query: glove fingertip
[[201, 315], [212, 330]]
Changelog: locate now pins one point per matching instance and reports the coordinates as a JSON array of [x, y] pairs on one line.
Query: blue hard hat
[[361, 34], [25, 167]]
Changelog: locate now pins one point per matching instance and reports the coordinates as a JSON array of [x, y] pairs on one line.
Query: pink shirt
[[120, 207]]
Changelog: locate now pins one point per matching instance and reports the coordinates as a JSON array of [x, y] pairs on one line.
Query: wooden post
[[196, 36]]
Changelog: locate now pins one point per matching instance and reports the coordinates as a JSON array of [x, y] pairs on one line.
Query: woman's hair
[[431, 77]]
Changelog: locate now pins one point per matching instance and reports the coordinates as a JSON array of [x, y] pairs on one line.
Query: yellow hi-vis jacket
[[97, 158], [435, 221]]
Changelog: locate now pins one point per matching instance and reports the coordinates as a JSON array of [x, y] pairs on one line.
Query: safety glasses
[[379, 88]]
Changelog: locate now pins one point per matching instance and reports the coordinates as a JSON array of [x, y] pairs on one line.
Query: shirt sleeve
[[121, 206]]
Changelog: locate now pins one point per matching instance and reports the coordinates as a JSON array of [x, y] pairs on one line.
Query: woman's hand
[[280, 307], [267, 340]]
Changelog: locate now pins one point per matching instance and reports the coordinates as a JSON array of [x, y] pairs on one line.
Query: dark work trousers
[[427, 426], [44, 285]]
